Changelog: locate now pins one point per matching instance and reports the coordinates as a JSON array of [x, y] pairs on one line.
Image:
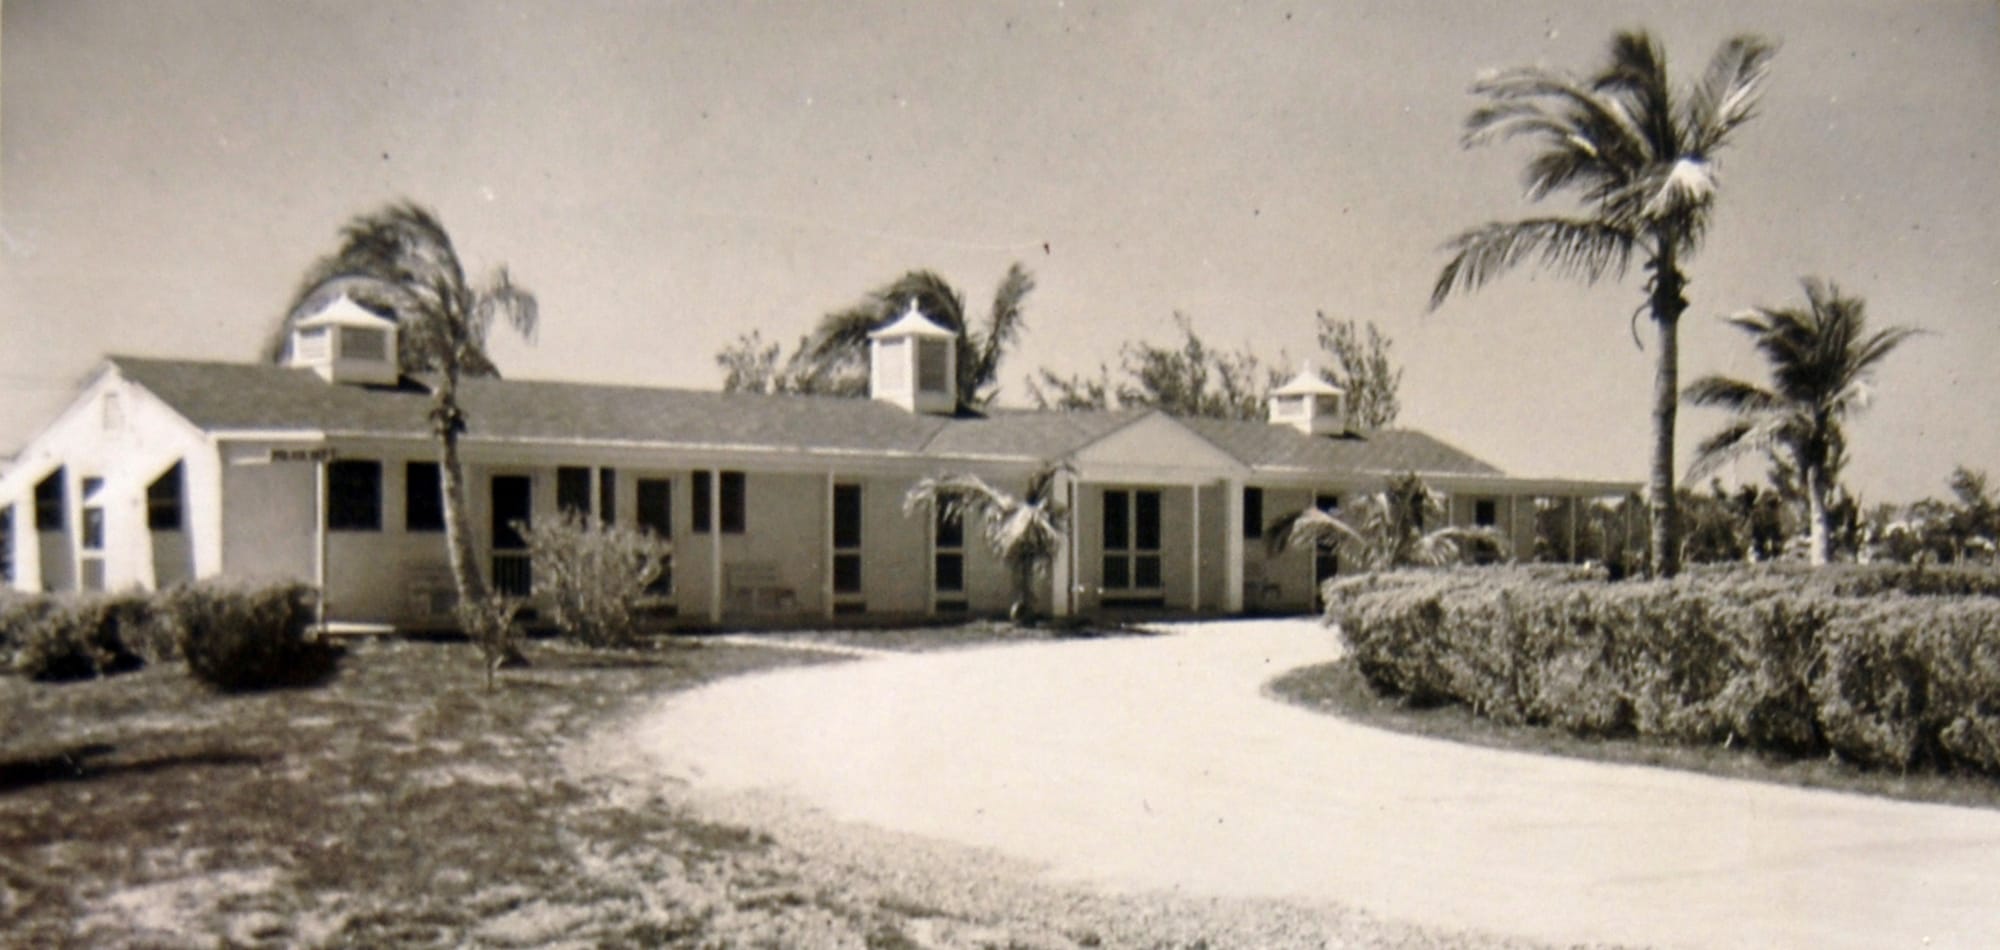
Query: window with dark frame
[[847, 539], [93, 516], [163, 501], [573, 490], [733, 502], [1485, 513], [423, 497], [1132, 540], [654, 510], [49, 503], [1326, 554], [1253, 512], [607, 495], [948, 558], [7, 543], [353, 495]]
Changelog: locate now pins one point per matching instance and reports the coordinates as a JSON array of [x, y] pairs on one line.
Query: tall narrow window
[[512, 509], [163, 501], [948, 563], [573, 490], [423, 497], [846, 542], [49, 502], [1132, 541], [1326, 555], [1253, 512], [655, 501], [703, 501], [93, 514], [353, 495], [6, 544], [733, 502], [607, 495]]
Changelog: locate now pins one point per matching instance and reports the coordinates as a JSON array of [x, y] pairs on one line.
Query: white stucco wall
[[117, 432]]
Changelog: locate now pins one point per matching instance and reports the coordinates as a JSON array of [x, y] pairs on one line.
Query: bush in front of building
[[1769, 659], [1913, 684], [593, 576], [239, 639], [74, 638]]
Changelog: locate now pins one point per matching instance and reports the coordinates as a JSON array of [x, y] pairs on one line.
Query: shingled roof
[[236, 396]]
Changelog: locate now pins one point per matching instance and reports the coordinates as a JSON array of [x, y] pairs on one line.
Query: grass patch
[[402, 804], [1338, 688]]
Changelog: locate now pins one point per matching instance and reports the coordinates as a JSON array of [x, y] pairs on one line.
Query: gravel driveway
[[1156, 764]]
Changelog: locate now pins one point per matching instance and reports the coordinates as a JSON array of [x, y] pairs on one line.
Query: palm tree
[[1820, 359], [1385, 530], [400, 260], [1024, 530], [835, 359], [1642, 162]]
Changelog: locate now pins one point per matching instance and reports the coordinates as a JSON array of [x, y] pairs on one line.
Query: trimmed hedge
[[1774, 659], [238, 640], [232, 638]]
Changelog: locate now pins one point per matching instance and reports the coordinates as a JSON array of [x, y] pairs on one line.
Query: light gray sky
[[667, 175]]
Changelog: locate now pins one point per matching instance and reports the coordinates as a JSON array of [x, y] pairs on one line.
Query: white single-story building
[[782, 509]]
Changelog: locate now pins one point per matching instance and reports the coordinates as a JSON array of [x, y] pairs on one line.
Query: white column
[[1194, 568], [715, 545], [1232, 546]]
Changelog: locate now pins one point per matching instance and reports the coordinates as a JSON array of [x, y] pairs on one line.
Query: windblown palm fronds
[[1024, 530], [1820, 358], [1641, 161], [400, 260]]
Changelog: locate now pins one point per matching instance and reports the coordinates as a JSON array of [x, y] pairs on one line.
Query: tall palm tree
[[836, 357], [1383, 530], [1641, 161], [1820, 358], [1025, 530], [400, 260]]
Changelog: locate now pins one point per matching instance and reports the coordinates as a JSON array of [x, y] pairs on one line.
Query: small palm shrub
[[593, 576], [491, 625], [245, 639]]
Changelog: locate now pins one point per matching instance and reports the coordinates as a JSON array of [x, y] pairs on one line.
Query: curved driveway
[[1156, 763]]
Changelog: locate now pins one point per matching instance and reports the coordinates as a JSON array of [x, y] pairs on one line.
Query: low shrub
[[243, 639], [80, 637], [1909, 685], [593, 576], [1769, 658]]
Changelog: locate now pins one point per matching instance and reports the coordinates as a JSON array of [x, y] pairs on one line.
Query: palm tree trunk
[[1024, 592], [1667, 305], [465, 573], [1819, 533]]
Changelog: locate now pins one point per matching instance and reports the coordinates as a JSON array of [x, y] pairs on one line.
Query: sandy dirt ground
[[1156, 765]]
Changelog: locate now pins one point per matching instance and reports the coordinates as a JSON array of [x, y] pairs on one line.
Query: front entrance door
[[513, 501]]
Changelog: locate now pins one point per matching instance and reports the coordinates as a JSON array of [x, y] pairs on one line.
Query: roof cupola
[[913, 363], [346, 343], [1310, 404]]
